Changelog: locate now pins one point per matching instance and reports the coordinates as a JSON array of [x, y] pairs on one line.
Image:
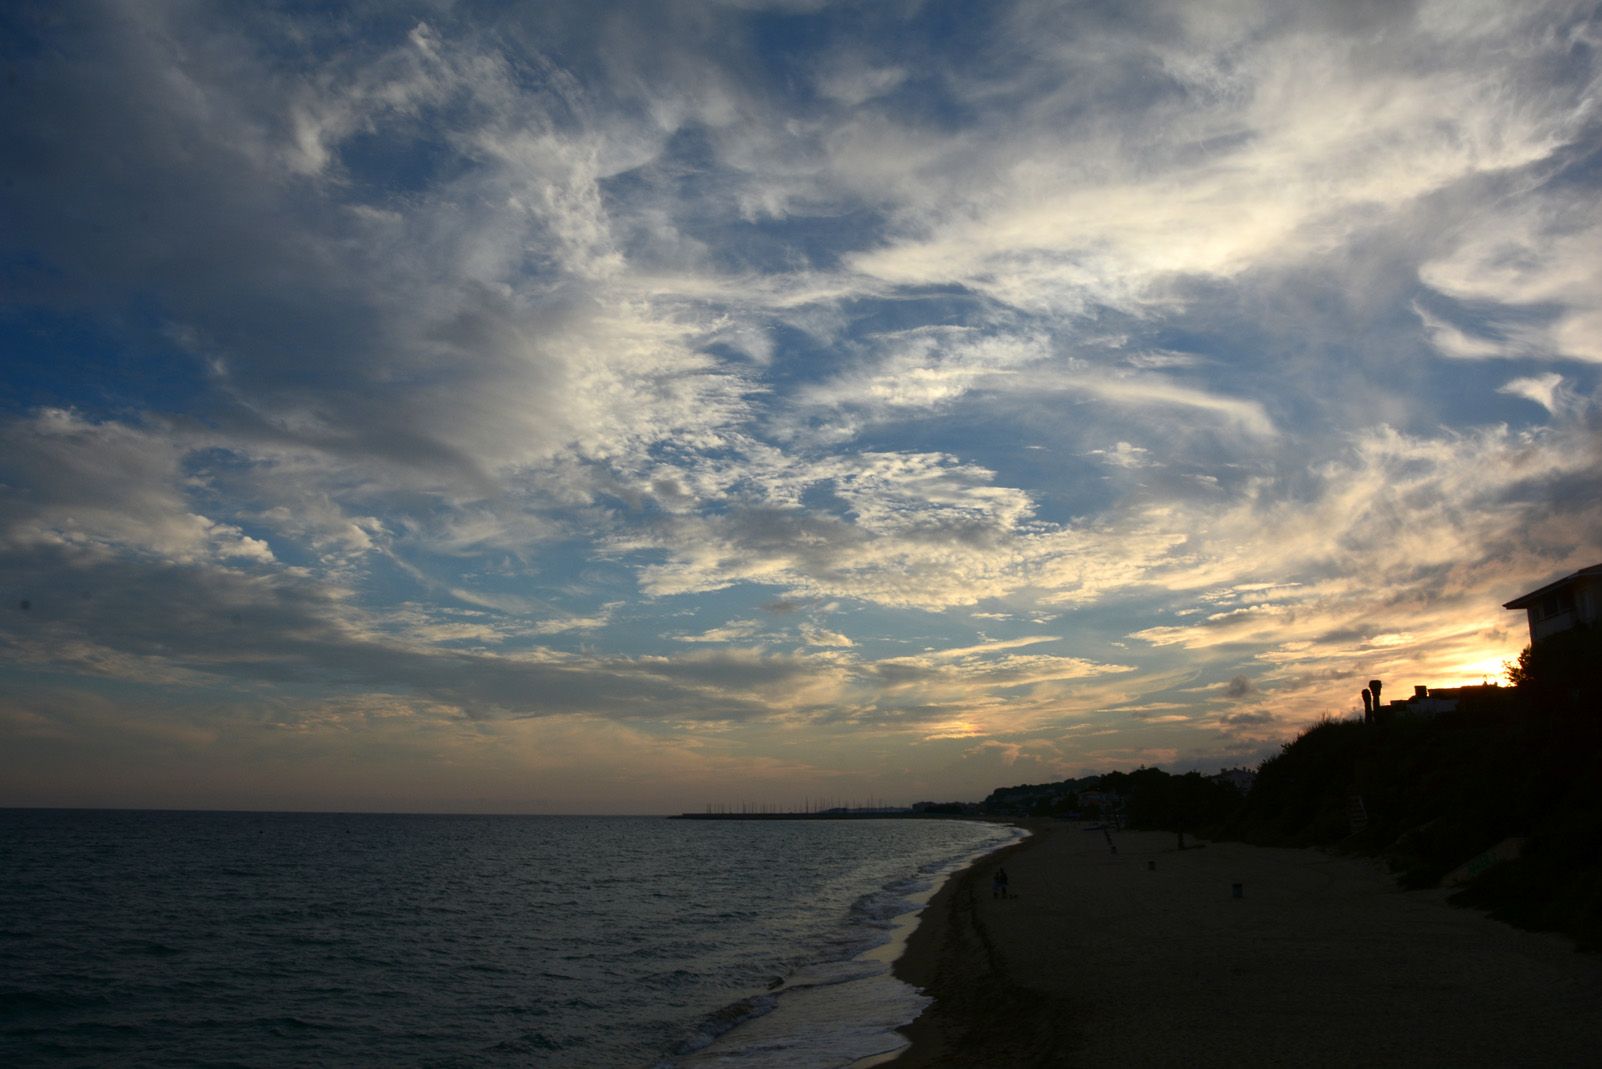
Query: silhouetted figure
[[1368, 707], [1374, 688], [998, 884]]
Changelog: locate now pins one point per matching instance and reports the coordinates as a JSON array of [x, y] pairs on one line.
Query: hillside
[[1438, 792]]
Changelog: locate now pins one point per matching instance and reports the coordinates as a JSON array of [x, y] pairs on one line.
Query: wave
[[724, 1020], [845, 1005]]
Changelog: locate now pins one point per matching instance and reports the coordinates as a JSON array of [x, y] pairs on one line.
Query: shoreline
[[1145, 956], [980, 1015], [846, 1011]]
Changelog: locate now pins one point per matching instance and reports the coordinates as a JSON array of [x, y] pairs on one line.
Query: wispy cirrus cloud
[[449, 375], [1530, 275]]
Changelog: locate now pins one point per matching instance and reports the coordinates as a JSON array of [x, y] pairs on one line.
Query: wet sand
[[1146, 957]]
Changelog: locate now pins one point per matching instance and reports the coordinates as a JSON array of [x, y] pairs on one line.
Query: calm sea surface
[[254, 939]]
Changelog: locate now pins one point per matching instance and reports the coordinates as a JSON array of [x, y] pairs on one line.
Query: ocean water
[[256, 939]]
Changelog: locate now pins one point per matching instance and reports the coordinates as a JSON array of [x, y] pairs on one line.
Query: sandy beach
[[1146, 956]]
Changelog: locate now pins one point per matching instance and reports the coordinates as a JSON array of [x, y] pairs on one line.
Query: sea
[[289, 939]]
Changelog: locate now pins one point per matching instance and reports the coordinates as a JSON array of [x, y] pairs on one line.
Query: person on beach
[[998, 884]]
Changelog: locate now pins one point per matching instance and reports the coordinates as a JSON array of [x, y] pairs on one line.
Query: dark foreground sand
[[1103, 960]]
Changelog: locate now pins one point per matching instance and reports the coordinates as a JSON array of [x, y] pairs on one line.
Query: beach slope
[[1147, 955]]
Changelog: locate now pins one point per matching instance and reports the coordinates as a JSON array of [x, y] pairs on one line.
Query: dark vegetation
[[1041, 799], [1439, 791], [1436, 792], [1147, 798]]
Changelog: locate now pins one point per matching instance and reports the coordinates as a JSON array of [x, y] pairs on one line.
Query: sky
[[589, 407]]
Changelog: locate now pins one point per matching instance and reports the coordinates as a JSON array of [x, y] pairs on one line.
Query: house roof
[[1526, 600]]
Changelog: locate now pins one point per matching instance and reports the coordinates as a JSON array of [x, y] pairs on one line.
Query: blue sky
[[629, 407]]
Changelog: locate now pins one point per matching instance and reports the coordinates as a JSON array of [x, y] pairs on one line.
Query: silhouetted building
[[1433, 701], [1426, 702], [1570, 602]]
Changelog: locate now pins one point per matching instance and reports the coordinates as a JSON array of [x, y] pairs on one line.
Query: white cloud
[[1545, 390], [733, 631], [1123, 455], [1276, 147], [820, 636], [1143, 390], [1536, 264], [1452, 341], [564, 624]]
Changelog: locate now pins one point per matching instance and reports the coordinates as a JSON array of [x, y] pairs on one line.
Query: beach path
[[1147, 956]]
